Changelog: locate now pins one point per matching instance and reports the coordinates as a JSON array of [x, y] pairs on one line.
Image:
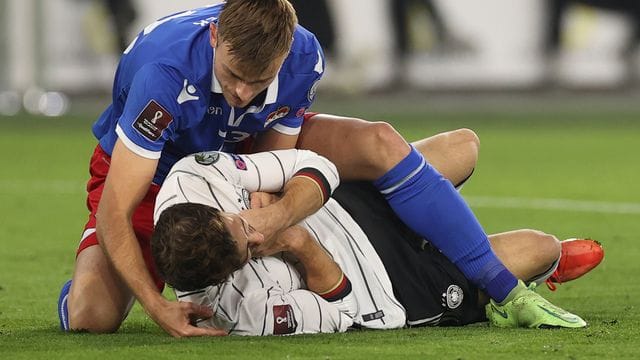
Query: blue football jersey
[[167, 103]]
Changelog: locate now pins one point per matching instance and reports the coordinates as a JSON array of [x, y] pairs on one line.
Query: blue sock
[[430, 206], [63, 311]]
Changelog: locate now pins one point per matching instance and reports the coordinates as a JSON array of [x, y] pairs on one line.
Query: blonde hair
[[257, 32]]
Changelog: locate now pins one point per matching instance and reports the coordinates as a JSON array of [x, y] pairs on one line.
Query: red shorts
[[142, 217]]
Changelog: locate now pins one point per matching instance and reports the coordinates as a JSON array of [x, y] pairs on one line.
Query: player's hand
[[291, 240], [261, 199], [268, 220], [176, 318]]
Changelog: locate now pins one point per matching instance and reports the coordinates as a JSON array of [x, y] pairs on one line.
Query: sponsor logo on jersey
[[207, 158], [188, 93], [152, 120], [312, 91], [284, 320], [454, 296], [240, 164], [278, 114], [214, 110]]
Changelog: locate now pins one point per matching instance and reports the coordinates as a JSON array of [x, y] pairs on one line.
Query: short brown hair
[[257, 31], [192, 248]]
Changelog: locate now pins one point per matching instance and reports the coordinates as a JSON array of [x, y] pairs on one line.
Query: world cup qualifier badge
[[284, 320], [207, 158]]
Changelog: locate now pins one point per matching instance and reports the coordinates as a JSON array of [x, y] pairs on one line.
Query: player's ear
[[213, 34]]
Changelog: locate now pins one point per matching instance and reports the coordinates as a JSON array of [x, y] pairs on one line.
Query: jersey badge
[[300, 112], [278, 114], [207, 158], [454, 296], [312, 91], [240, 164], [152, 120], [188, 93], [284, 320], [245, 199]]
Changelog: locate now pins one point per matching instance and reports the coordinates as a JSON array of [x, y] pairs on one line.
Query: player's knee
[[548, 247], [383, 147], [468, 144], [93, 317]]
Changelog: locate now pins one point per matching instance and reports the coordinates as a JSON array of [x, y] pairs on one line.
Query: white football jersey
[[268, 295]]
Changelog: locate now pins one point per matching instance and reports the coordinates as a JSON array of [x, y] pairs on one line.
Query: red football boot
[[578, 257]]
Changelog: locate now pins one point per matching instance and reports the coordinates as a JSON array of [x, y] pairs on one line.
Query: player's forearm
[[322, 274], [301, 198], [118, 240]]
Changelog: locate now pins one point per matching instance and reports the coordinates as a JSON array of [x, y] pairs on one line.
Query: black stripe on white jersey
[[263, 264], [289, 270], [160, 207], [351, 242], [257, 172], [182, 191], [315, 297], [191, 293], [293, 298], [224, 312], [315, 235], [281, 169], [215, 198], [237, 290], [389, 296], [256, 272], [266, 310], [199, 177]]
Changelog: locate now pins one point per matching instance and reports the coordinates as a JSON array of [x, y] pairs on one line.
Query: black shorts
[[431, 288]]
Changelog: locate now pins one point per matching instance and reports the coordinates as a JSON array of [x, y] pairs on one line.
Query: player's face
[[239, 86], [245, 236]]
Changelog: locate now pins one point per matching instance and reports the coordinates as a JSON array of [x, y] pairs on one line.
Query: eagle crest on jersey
[[207, 158]]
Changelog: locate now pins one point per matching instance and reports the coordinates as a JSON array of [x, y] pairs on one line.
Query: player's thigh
[[526, 253], [98, 299], [453, 153], [361, 150]]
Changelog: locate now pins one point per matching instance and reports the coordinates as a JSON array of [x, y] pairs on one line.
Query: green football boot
[[526, 308]]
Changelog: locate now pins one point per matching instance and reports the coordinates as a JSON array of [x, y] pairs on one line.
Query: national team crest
[[454, 296], [278, 114], [207, 158], [246, 198]]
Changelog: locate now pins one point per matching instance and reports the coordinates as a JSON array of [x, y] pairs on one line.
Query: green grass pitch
[[587, 159]]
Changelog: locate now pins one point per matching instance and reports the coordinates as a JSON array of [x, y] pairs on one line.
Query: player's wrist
[[153, 304]]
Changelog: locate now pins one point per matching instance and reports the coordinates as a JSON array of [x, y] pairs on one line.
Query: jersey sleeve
[[274, 312], [267, 171], [300, 98], [151, 113]]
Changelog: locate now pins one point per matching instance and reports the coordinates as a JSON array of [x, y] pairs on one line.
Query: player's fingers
[[196, 331], [198, 311], [256, 200]]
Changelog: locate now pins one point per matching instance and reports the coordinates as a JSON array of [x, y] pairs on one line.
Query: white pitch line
[[67, 187], [554, 204]]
